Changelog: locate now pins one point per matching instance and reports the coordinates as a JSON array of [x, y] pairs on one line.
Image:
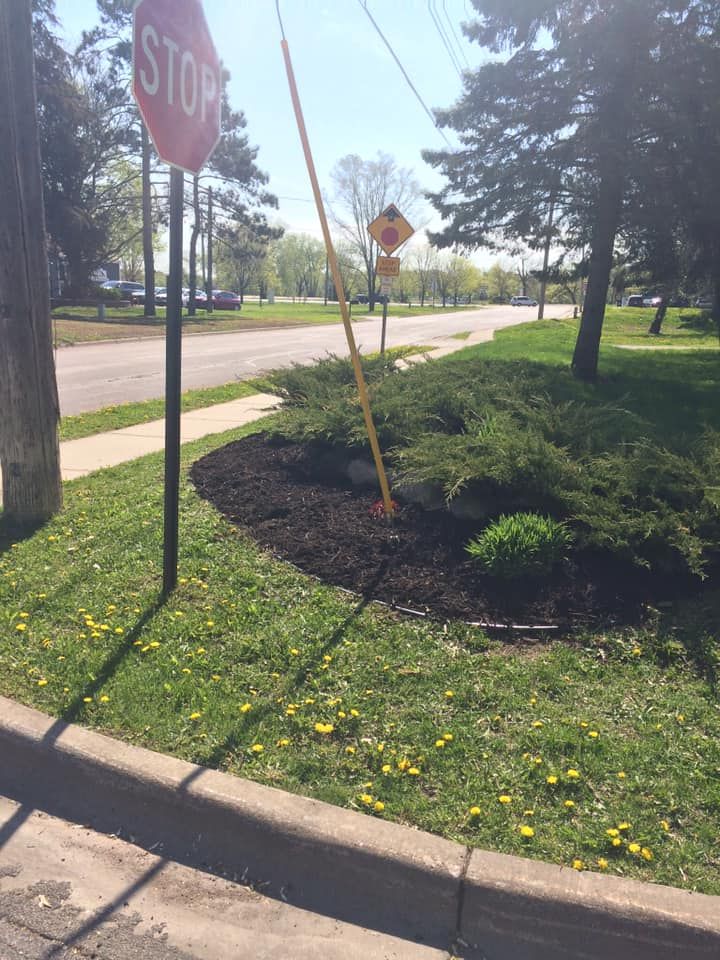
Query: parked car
[[200, 297], [636, 300], [125, 288], [161, 296], [704, 303], [523, 302], [226, 300], [651, 301]]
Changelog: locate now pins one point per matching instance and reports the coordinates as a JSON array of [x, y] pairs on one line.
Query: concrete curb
[[341, 863]]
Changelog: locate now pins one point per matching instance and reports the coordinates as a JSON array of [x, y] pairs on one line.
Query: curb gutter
[[345, 864]]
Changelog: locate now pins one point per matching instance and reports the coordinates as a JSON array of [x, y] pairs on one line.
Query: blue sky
[[354, 97]]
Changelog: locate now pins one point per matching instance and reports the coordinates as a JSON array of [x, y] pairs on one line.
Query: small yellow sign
[[388, 267], [390, 230]]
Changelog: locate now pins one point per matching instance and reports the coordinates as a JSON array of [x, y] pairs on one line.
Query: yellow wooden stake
[[335, 270]]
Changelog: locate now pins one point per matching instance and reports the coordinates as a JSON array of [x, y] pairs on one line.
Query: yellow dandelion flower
[[646, 854], [602, 863], [439, 744], [365, 798], [21, 627], [119, 630], [552, 779], [616, 842], [104, 698], [185, 670], [386, 768], [569, 804], [42, 683], [403, 765], [584, 723], [573, 774], [621, 775], [624, 825], [504, 798], [354, 713], [449, 694], [294, 652], [526, 831], [246, 708], [324, 728], [257, 748], [350, 750], [665, 825], [634, 848], [414, 772], [636, 651], [612, 832], [378, 806], [537, 723], [475, 811], [578, 864], [87, 699], [448, 737], [593, 734], [196, 715]]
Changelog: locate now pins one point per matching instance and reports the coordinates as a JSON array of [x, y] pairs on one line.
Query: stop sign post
[[177, 83]]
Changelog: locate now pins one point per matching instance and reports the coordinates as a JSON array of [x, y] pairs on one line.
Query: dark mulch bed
[[272, 490]]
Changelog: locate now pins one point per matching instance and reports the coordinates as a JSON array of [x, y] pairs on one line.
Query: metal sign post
[[173, 361]]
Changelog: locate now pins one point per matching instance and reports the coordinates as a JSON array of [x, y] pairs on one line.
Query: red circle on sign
[[389, 236]]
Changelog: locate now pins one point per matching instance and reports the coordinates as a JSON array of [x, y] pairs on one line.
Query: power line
[[454, 33], [441, 33], [363, 4]]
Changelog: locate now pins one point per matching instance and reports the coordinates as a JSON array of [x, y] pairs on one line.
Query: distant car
[[125, 288], [200, 296], [161, 296], [649, 300], [636, 300], [523, 302], [226, 300], [704, 303]]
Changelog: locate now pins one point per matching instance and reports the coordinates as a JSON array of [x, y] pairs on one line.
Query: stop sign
[[177, 80]]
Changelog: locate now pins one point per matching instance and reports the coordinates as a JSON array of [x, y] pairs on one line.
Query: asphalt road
[[68, 893], [96, 375]]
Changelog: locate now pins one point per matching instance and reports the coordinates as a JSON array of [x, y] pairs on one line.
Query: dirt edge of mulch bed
[[417, 564]]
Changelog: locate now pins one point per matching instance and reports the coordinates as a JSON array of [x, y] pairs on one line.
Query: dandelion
[[621, 775], [475, 811], [386, 768], [209, 623], [680, 718], [602, 863], [636, 651], [646, 854], [216, 677], [42, 683], [403, 765], [612, 832], [257, 748], [573, 774], [196, 715], [634, 848], [584, 723], [350, 750], [449, 694], [290, 712], [624, 825], [439, 744], [578, 864], [341, 714], [294, 652], [616, 842], [354, 713], [365, 798], [380, 747], [378, 806], [593, 734], [87, 699], [448, 737], [552, 779], [665, 825], [504, 798], [327, 658], [104, 698], [537, 724], [324, 728], [246, 708], [119, 630], [414, 772], [528, 813], [569, 804], [526, 832], [21, 627]]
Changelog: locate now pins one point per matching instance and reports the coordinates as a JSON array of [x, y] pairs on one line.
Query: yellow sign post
[[339, 289], [390, 230], [388, 267]]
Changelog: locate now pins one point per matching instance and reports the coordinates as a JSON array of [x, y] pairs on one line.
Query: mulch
[[330, 530]]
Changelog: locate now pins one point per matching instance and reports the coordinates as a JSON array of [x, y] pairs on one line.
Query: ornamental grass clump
[[521, 545]]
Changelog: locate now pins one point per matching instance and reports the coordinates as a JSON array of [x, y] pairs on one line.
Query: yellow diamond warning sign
[[390, 229], [388, 267]]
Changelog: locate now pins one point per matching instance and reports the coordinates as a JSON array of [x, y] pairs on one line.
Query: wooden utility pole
[[29, 409]]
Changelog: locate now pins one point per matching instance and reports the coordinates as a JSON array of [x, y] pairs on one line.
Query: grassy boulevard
[[80, 324], [601, 751]]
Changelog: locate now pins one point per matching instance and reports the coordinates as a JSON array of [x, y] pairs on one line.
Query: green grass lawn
[[80, 324], [601, 752]]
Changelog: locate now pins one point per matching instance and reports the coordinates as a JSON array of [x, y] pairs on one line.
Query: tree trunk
[[210, 282], [656, 325], [587, 346], [147, 225], [192, 258], [29, 454]]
